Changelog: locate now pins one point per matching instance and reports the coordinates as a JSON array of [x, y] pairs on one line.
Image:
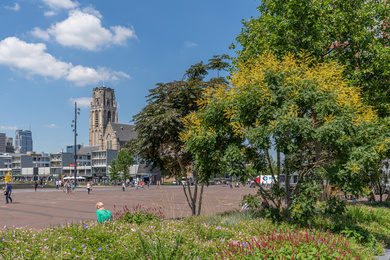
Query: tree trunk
[[279, 199], [287, 184], [200, 199]]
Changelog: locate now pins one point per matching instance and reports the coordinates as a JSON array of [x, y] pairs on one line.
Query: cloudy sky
[[54, 52]]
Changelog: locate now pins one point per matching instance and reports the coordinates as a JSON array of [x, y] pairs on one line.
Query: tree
[[218, 63], [293, 105], [123, 163], [353, 33], [160, 123], [113, 170]]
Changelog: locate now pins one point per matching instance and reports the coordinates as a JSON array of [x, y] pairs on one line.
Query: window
[[96, 119], [108, 117]]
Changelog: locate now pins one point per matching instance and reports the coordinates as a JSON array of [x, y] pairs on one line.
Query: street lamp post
[[76, 112]]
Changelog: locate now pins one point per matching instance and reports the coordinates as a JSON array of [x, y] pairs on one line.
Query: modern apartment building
[[5, 164], [19, 162], [101, 159], [59, 162], [23, 141]]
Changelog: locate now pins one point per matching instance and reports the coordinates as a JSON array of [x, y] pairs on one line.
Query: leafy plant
[[335, 205], [251, 201], [156, 247], [303, 206], [139, 214]]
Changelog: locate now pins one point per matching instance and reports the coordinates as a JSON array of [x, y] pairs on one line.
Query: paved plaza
[[52, 207]]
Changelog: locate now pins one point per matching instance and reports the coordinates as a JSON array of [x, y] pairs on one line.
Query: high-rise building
[[2, 143], [9, 145], [103, 111], [23, 141]]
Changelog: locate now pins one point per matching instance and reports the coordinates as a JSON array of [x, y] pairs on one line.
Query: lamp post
[[76, 112]]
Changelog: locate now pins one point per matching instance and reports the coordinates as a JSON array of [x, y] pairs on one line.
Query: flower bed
[[231, 236]]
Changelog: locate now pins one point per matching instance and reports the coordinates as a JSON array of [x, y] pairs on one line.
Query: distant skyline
[[54, 52]]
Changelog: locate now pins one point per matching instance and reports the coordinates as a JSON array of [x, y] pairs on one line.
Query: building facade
[[2, 143], [103, 111], [9, 145], [23, 141]]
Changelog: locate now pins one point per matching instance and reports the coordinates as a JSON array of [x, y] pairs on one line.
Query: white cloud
[[16, 7], [93, 11], [82, 76], [84, 30], [41, 34], [51, 126], [33, 58], [2, 127], [121, 34], [190, 44], [83, 102], [50, 13], [110, 75], [61, 4]]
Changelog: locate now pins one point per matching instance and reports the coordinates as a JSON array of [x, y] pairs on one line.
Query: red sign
[[72, 165]]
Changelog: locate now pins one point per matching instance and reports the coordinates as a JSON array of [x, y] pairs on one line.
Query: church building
[[104, 129]]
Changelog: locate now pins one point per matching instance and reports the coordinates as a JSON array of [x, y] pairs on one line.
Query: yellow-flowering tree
[[305, 110]]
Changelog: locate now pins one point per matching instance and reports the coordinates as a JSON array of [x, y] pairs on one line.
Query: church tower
[[103, 111]]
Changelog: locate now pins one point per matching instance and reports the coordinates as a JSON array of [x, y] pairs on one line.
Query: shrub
[[139, 214]]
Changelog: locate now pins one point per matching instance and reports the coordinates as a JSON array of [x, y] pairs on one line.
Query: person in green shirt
[[102, 214]]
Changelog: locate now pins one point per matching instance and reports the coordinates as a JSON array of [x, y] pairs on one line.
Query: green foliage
[[353, 33], [217, 63], [113, 170], [160, 123], [251, 201], [123, 162], [243, 235], [335, 205], [156, 247], [303, 109], [304, 206], [139, 215]]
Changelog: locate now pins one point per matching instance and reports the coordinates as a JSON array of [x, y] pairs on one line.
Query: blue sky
[[54, 52]]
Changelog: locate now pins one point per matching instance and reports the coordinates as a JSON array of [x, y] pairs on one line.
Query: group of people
[[135, 184]]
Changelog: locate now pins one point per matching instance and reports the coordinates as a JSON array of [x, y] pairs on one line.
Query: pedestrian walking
[[35, 186], [73, 187], [88, 187], [67, 187], [8, 192], [102, 214], [123, 186], [57, 184]]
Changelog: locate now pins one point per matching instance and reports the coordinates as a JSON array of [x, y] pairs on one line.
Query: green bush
[[139, 214], [335, 205], [304, 206]]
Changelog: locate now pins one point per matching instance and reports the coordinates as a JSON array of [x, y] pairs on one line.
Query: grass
[[232, 235]]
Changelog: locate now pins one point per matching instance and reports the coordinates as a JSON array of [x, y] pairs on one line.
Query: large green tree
[[294, 105], [160, 123], [353, 33]]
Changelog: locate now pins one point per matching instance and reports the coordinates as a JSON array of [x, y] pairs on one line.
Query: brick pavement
[[52, 207]]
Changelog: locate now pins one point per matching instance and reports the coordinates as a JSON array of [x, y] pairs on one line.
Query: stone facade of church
[[104, 129], [103, 112]]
